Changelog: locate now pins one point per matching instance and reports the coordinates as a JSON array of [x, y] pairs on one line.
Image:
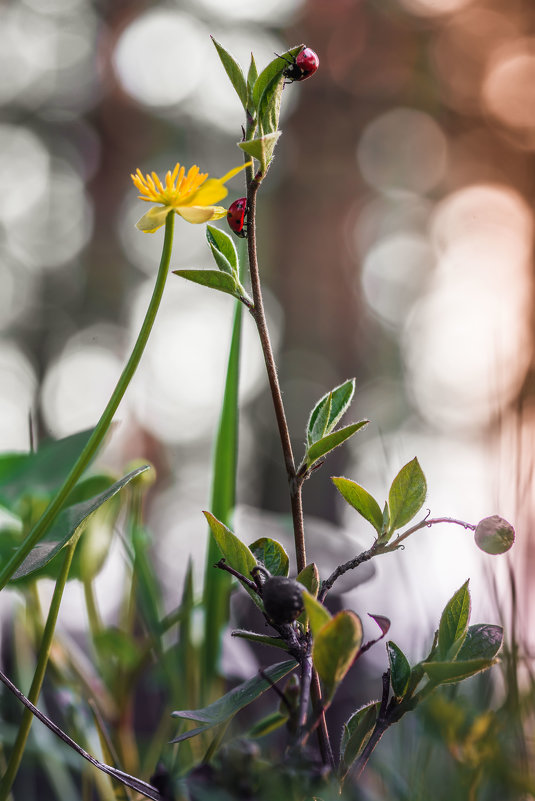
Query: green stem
[[53, 509], [35, 689]]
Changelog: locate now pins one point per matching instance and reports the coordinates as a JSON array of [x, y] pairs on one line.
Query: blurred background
[[396, 246]]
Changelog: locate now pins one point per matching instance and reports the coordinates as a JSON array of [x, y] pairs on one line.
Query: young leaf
[[273, 70], [332, 441], [361, 500], [407, 494], [263, 639], [450, 672], [269, 105], [272, 555], [261, 148], [234, 72], [341, 398], [317, 614], [318, 427], [335, 648], [309, 577], [400, 670], [252, 75], [356, 734], [68, 525], [267, 724], [229, 704], [215, 279], [454, 624], [482, 641], [222, 242], [236, 553], [221, 260]]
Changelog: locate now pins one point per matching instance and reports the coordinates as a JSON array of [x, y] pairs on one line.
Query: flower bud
[[494, 535]]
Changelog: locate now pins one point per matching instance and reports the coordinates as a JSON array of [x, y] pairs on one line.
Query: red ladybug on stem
[[302, 66], [236, 217]]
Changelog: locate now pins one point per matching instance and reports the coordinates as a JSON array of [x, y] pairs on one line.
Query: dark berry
[[236, 216], [283, 599], [302, 66]]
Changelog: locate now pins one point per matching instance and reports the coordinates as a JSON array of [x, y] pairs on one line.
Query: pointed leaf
[[272, 555], [341, 397], [229, 704], [68, 525], [222, 242], [269, 105], [261, 148], [335, 648], [400, 670], [252, 75], [332, 441], [450, 672], [361, 500], [268, 724], [234, 550], [317, 614], [262, 639], [318, 426], [382, 621], [482, 641], [215, 279], [274, 69], [222, 262], [407, 494], [234, 72], [355, 735], [309, 577], [454, 624]]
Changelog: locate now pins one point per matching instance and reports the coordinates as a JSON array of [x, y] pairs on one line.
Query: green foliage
[[361, 500], [272, 555], [400, 670], [328, 443], [309, 577], [454, 624], [355, 735], [316, 614], [234, 72], [407, 495], [336, 645], [229, 704]]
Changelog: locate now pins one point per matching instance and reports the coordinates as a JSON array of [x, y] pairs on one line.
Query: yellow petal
[[209, 193], [234, 172], [153, 219], [201, 214]]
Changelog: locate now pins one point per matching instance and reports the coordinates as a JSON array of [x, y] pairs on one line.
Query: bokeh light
[[434, 8], [17, 397], [509, 89]]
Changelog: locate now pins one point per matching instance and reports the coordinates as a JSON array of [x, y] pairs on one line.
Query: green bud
[[494, 535]]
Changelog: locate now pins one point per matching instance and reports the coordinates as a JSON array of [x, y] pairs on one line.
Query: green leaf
[[229, 704], [309, 577], [217, 584], [355, 735], [317, 614], [252, 75], [261, 148], [273, 70], [454, 624], [318, 424], [332, 441], [407, 494], [222, 262], [41, 472], [215, 279], [335, 648], [68, 525], [272, 555], [482, 641], [268, 724], [450, 672], [341, 398], [269, 105], [234, 72], [400, 670], [361, 500], [236, 553], [262, 639], [223, 243]]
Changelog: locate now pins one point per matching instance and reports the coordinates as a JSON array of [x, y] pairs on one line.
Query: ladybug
[[301, 66], [236, 216]]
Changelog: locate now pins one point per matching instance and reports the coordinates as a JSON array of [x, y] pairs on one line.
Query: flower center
[[175, 190]]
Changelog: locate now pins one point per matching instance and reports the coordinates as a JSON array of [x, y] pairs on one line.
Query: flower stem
[[261, 324], [35, 689], [94, 442]]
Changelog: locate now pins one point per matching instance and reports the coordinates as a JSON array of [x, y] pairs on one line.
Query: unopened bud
[[494, 535]]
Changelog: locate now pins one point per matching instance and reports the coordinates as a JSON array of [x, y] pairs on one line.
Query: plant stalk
[[54, 507]]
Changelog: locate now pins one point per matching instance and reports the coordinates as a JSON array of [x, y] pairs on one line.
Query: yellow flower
[[188, 194]]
